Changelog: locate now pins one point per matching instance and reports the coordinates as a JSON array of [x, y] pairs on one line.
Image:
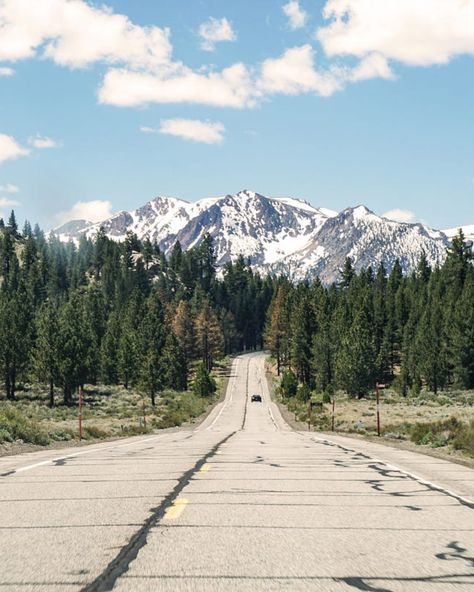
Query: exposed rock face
[[278, 235]]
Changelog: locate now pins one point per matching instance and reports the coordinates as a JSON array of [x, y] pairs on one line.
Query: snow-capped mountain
[[467, 230], [279, 235]]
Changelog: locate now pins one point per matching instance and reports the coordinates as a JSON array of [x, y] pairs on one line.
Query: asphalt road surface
[[240, 503]]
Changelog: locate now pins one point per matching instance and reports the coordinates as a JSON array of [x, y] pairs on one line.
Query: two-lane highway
[[240, 503]]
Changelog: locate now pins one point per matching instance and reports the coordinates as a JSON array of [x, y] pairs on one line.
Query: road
[[240, 503]]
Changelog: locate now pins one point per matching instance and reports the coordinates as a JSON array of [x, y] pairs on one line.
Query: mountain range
[[278, 234]]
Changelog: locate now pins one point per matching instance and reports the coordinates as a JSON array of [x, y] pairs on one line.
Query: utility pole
[[377, 395], [80, 397]]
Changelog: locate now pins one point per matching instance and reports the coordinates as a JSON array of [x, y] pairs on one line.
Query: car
[[256, 398]]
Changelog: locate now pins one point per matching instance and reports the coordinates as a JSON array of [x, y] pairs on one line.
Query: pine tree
[[175, 372], [183, 328], [302, 330], [46, 351], [276, 327], [152, 338], [208, 335], [110, 348], [356, 360], [431, 344], [77, 345], [12, 224], [462, 335], [203, 385], [289, 384]]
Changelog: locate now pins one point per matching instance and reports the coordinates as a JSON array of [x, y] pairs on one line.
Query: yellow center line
[[176, 509], [205, 468]]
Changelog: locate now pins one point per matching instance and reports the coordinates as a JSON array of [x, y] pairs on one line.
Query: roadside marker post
[[377, 395], [333, 412], [80, 397], [144, 413]]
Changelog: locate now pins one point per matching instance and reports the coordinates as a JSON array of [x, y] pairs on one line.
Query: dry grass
[[108, 412], [444, 421]]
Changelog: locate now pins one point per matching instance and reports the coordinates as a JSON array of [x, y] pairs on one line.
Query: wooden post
[[377, 395], [80, 411], [309, 415], [333, 412], [144, 413]]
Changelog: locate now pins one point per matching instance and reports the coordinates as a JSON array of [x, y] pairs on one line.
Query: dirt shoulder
[[291, 419]]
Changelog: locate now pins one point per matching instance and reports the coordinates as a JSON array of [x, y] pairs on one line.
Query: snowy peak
[[468, 232], [278, 234]]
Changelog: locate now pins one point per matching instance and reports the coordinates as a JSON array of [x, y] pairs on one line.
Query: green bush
[[289, 384], [16, 426], [204, 385], [451, 431], [464, 438]]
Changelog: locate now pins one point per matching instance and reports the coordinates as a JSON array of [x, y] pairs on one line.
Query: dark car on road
[[256, 398]]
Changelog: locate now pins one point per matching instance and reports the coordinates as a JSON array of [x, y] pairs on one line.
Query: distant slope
[[278, 234]]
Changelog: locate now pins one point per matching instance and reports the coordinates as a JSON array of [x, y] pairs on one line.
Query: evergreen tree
[[289, 384], [110, 350], [152, 337], [356, 360], [208, 335], [46, 351], [203, 385], [175, 372]]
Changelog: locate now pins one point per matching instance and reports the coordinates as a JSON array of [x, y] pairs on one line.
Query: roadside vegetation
[[121, 322], [108, 412], [443, 421], [133, 328], [412, 334]]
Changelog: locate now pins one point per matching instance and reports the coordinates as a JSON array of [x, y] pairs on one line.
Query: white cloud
[[400, 215], [43, 142], [140, 68], [297, 16], [372, 66], [10, 149], [415, 32], [215, 31], [149, 130], [6, 71], [93, 211], [294, 73], [76, 34], [207, 132], [231, 87], [9, 188], [6, 202]]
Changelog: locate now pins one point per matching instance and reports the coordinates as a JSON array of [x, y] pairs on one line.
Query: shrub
[[204, 385], [15, 426], [451, 431], [303, 393], [289, 384]]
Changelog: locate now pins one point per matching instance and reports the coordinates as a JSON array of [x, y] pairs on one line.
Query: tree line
[[120, 313], [100, 311], [411, 331]]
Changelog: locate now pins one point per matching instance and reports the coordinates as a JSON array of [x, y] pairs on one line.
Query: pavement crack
[[121, 563]]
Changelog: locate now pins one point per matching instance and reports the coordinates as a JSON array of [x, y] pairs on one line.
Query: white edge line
[[226, 402], [439, 488], [82, 452]]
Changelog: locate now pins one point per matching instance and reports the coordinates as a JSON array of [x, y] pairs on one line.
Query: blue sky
[[101, 112]]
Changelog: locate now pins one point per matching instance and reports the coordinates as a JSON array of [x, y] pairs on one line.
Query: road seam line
[[106, 580]]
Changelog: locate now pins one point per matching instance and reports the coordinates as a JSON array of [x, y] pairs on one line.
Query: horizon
[[298, 100], [323, 209]]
